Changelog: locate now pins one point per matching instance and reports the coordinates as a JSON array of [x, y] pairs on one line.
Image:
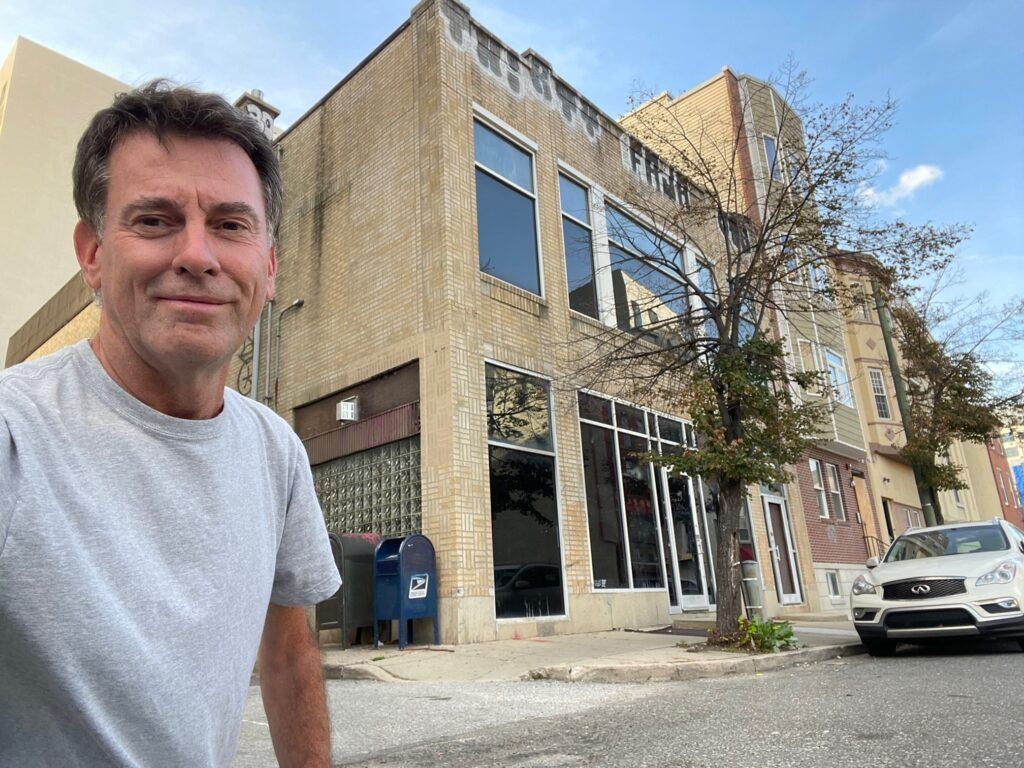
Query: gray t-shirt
[[138, 553]]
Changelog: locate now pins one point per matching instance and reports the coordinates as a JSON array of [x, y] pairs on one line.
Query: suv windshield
[[947, 541]]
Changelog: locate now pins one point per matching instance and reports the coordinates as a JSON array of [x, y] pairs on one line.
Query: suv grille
[[951, 617], [904, 590]]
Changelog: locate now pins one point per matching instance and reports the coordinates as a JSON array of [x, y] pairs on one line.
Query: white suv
[[957, 580]]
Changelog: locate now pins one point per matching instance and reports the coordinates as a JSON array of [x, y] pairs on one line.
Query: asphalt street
[[960, 707]]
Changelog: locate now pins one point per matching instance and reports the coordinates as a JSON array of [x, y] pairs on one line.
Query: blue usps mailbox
[[404, 585]]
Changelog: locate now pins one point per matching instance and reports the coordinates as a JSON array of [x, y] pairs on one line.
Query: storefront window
[[524, 508]]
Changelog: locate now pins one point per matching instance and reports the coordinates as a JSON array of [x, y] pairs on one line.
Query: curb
[[358, 672], [689, 670]]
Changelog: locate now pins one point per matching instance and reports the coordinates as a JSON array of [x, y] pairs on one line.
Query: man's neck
[[182, 394]]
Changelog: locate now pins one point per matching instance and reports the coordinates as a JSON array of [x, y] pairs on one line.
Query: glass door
[[783, 551], [685, 556]]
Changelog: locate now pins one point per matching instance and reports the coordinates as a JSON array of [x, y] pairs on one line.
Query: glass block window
[[374, 491]]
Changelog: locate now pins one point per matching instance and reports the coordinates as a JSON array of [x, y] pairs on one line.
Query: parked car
[[534, 589], [957, 580]]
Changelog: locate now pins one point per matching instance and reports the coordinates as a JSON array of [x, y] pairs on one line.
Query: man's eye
[[150, 222], [234, 226]]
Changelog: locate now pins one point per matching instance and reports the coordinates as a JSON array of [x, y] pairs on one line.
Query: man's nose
[[194, 251]]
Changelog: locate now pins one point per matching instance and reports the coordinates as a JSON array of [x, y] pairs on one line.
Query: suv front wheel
[[881, 647]]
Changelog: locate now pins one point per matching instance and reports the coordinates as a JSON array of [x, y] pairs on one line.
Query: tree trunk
[[727, 571]]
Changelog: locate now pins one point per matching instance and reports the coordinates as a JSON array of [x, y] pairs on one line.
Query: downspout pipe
[[266, 372], [277, 345], [256, 344]]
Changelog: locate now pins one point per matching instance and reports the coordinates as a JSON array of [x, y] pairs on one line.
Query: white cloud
[[909, 182]]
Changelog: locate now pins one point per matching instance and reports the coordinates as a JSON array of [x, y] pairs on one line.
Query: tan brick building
[[447, 228], [450, 229]]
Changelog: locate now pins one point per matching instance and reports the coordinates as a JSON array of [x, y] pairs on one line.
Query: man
[[153, 525]]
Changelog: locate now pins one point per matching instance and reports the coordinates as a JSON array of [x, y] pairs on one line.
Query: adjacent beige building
[[748, 139], [46, 100]]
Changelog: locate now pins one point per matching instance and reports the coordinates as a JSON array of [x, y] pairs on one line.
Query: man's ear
[[87, 244], [271, 273]]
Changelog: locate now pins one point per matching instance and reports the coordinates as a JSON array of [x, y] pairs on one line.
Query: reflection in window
[[771, 157], [709, 530], [688, 553], [578, 243], [836, 367], [607, 540], [517, 409], [595, 408], [505, 210], [646, 298], [628, 417], [640, 521], [524, 510]]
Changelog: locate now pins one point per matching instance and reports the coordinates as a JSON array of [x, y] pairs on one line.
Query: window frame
[[506, 132], [880, 393], [652, 436], [842, 392], [590, 228], [835, 489], [559, 512], [772, 165], [832, 577], [819, 487], [815, 359]]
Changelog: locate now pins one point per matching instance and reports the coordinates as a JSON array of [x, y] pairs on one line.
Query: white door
[[783, 551], [687, 547]]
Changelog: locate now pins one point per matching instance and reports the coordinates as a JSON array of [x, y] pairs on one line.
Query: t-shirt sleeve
[[8, 492], [306, 572]]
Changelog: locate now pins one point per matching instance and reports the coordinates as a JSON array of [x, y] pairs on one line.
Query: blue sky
[[955, 66]]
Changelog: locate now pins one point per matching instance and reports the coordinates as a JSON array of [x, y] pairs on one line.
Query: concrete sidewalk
[[608, 657]]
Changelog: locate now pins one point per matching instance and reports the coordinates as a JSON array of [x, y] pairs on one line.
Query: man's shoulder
[[27, 378], [259, 417]]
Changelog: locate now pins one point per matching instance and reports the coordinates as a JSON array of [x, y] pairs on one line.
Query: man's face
[[185, 262]]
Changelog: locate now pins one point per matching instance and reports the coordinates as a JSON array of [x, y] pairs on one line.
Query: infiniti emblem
[[920, 589]]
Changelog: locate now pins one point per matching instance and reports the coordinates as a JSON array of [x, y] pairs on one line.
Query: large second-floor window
[[578, 241], [506, 209]]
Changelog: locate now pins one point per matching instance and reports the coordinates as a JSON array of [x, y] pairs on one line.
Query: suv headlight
[[862, 586], [1003, 574]]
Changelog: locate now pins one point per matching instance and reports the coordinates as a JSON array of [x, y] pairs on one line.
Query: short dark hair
[[164, 109]]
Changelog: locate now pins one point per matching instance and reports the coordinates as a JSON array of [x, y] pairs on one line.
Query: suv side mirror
[[872, 562]]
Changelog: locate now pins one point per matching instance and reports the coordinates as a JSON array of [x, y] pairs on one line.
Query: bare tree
[[710, 259]]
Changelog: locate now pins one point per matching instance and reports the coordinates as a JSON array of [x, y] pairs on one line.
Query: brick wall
[[831, 541]]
